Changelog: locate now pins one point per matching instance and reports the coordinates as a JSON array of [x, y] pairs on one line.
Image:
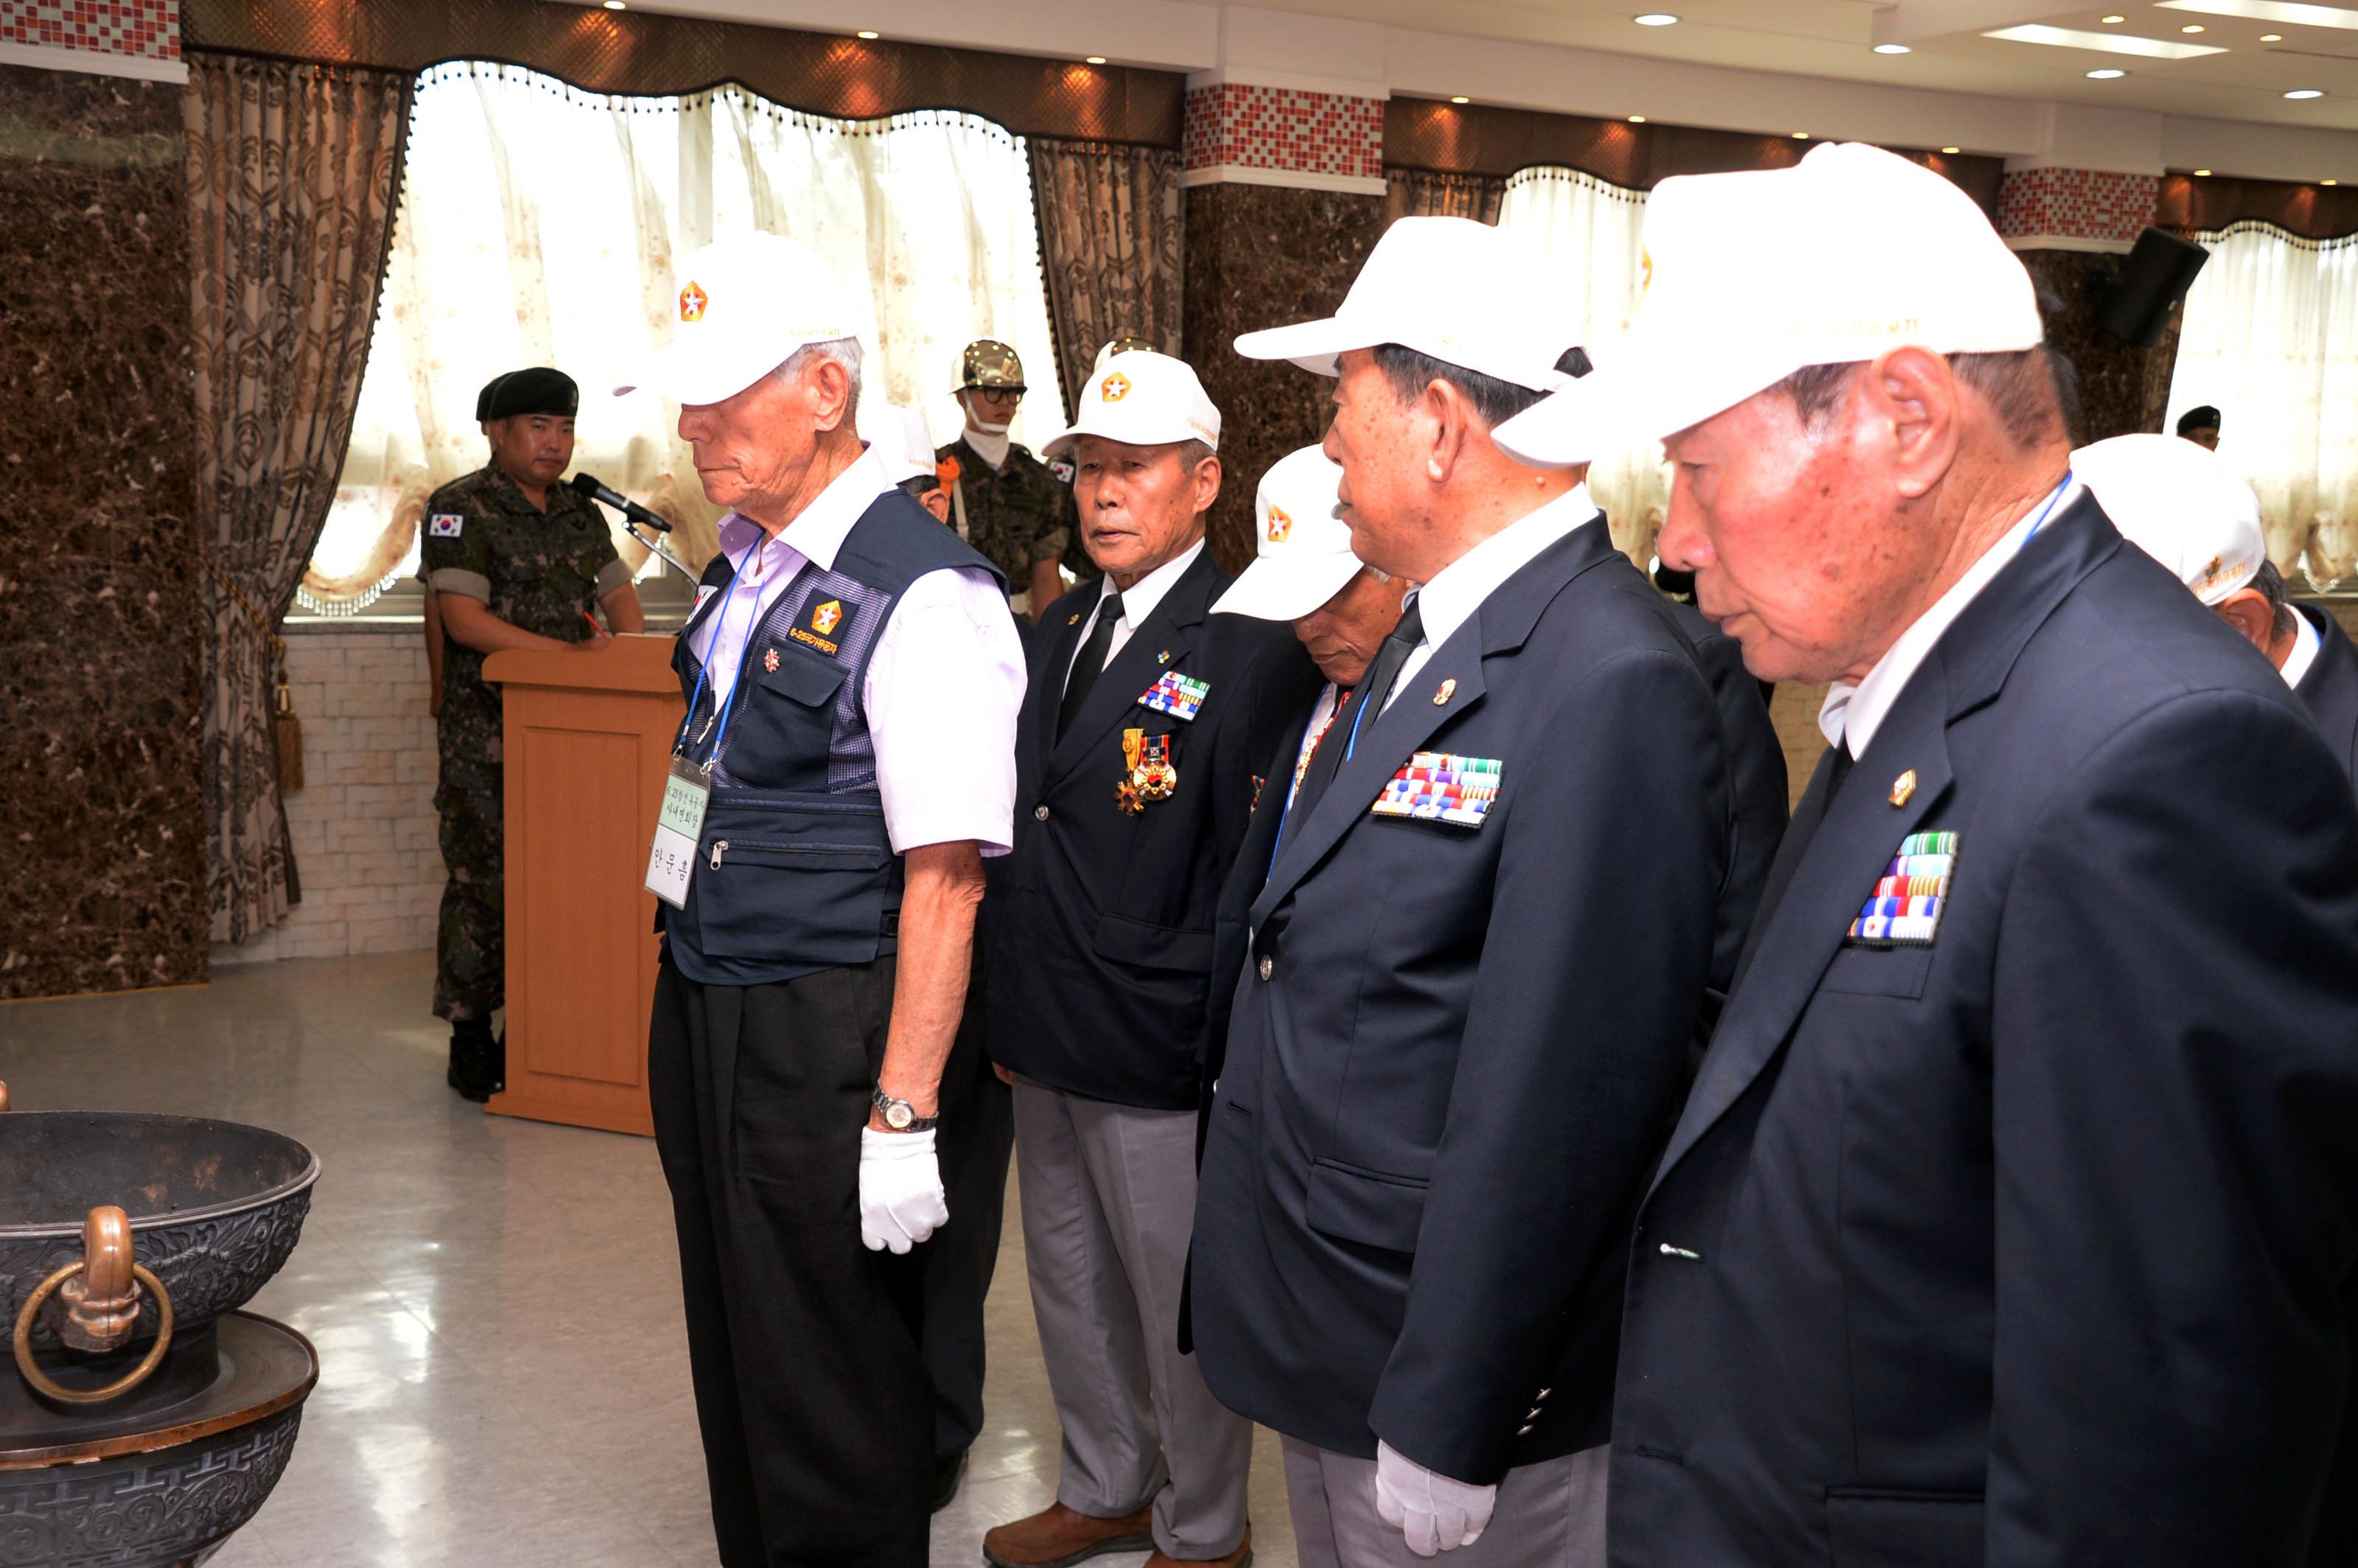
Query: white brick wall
[[364, 826]]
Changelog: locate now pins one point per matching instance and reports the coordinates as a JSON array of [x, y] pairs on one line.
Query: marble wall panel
[[1260, 255], [99, 617], [2122, 389]]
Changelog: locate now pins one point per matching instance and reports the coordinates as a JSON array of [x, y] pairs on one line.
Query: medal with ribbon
[[1125, 791], [1155, 776]]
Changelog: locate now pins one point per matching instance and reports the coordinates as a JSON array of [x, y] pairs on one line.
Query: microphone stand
[[631, 527]]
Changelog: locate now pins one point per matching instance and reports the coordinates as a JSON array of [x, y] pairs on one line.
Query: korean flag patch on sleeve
[[446, 524]]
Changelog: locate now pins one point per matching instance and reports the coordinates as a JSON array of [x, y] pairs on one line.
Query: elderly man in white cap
[[819, 871], [2172, 498], [1476, 968], [1146, 717], [1341, 609], [2013, 1215]]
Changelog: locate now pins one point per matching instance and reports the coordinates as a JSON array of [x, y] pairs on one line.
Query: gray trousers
[[1550, 1515], [1108, 1203]]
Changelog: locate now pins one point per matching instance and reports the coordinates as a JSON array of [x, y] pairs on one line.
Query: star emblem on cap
[[1114, 388], [1279, 525], [692, 301]]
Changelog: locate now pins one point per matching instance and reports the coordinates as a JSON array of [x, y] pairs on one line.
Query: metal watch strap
[[910, 1120]]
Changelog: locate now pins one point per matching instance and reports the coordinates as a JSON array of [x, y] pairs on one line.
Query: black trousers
[[975, 1142], [811, 1390]]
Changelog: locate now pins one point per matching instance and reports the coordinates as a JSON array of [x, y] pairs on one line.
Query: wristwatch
[[899, 1115]]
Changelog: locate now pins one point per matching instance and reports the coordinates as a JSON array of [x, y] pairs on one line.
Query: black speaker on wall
[[2150, 283]]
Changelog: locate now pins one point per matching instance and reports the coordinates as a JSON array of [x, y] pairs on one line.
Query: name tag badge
[[678, 826]]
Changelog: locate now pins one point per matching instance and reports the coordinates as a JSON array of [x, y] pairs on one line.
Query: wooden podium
[[588, 740]]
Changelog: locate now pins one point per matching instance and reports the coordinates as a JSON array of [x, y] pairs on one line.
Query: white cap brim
[[1286, 587], [1315, 346], [1634, 399], [711, 370], [1135, 432]]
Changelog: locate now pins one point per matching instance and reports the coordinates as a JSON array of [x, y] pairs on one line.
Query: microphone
[[590, 486]]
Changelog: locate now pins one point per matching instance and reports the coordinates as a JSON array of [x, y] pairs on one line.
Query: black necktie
[[1090, 662], [1835, 766], [1327, 760]]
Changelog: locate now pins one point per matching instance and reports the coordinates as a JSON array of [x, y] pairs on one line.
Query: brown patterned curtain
[[1427, 193], [291, 175], [1109, 232]]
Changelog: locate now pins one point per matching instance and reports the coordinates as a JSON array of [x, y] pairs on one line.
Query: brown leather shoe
[[1057, 1535], [1241, 1558]]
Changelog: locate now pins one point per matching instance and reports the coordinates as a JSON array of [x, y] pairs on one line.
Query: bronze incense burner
[[143, 1418]]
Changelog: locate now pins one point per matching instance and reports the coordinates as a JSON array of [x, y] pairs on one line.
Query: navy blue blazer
[[2329, 688], [1456, 1049], [2036, 1244], [1759, 787], [1099, 923]]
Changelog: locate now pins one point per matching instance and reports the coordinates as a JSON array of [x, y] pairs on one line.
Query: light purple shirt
[[944, 685]]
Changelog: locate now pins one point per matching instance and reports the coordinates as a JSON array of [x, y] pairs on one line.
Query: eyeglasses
[[996, 393]]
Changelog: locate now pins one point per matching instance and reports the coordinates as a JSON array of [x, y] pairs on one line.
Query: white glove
[[901, 1200], [1432, 1512]]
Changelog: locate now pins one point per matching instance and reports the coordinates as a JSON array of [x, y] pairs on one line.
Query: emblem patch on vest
[[820, 625], [1909, 897]]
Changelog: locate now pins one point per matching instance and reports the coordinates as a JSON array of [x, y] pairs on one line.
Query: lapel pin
[[770, 661], [1076, 621], [1902, 787], [1163, 657], [1448, 689]]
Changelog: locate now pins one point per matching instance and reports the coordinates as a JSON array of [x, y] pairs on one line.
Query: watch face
[[899, 1115]]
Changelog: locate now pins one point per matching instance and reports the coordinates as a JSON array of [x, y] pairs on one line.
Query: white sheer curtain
[[2270, 338], [538, 225], [1590, 230]]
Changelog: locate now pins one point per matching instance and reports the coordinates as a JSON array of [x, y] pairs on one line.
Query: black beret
[[538, 390], [2203, 419]]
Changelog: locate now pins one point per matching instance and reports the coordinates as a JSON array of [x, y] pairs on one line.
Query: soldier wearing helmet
[[1004, 502]]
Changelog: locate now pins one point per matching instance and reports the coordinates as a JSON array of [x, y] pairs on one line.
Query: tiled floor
[[495, 1303]]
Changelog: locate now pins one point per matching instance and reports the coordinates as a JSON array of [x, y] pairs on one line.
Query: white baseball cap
[[898, 437], [2175, 500], [1302, 550], [745, 304], [1748, 277], [1464, 293], [1142, 399]]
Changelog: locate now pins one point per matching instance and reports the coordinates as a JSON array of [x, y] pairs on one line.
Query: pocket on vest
[[1358, 1206], [1151, 946], [812, 883], [1874, 1529]]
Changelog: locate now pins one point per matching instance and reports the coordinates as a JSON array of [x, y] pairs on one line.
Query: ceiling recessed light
[[1948, 152], [1800, 135], [1655, 19], [613, 4], [866, 33], [2201, 173], [2192, 27], [2306, 92], [1096, 60], [2329, 182], [2104, 43], [1636, 119], [2111, 20], [2107, 74], [2271, 38], [1461, 98], [1891, 49]]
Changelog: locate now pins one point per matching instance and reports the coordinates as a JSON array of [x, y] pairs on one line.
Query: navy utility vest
[[794, 872]]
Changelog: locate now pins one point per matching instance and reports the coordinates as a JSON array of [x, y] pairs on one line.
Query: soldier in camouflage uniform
[[514, 561], [1004, 502]]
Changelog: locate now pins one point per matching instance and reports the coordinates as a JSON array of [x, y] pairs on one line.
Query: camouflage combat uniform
[[539, 571], [1021, 515]]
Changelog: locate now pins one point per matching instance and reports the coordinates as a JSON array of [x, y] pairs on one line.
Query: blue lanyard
[[704, 670], [2052, 501]]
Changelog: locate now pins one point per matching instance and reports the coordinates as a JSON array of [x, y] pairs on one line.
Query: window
[[2270, 338], [540, 224]]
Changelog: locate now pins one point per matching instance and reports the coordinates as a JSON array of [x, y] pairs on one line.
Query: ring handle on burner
[[104, 1309]]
